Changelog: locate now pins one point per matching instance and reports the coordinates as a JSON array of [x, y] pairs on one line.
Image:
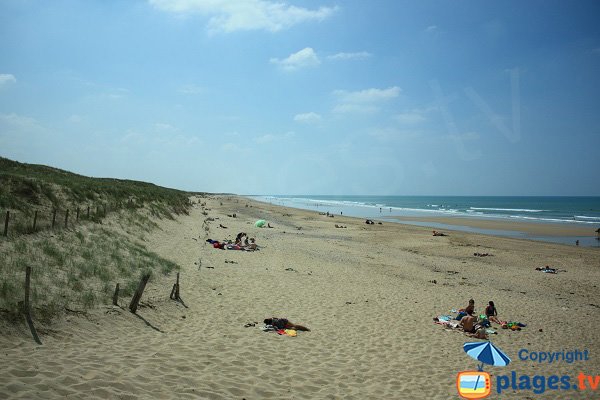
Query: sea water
[[580, 211]]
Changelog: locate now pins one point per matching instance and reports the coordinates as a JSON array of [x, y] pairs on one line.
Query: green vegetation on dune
[[75, 269], [78, 267], [25, 185]]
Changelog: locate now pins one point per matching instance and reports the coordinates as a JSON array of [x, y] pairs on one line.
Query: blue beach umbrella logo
[[486, 353]]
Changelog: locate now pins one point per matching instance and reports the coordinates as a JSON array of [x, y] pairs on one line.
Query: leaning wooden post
[[6, 223], [116, 296], [67, 219], [138, 293], [53, 218], [27, 307], [35, 220], [175, 291]]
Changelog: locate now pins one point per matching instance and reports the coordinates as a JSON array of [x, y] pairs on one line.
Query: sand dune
[[366, 292]]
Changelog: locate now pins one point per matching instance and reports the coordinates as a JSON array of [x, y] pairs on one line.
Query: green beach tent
[[260, 223]]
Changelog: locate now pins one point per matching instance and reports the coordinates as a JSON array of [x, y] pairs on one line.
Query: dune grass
[[77, 267]]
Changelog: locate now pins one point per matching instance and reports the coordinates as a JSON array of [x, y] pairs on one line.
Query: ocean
[[581, 211]]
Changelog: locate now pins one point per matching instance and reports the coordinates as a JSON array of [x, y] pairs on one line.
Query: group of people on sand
[[242, 242], [473, 325]]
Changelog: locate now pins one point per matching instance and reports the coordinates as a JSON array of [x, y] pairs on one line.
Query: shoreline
[[532, 228], [563, 233]]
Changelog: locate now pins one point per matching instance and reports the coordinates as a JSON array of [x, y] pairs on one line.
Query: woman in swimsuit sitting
[[491, 313]]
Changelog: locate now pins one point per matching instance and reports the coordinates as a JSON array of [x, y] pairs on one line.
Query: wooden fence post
[[77, 215], [88, 213], [175, 291], [67, 219], [116, 296], [138, 293], [34, 220], [53, 218], [6, 223], [27, 306]]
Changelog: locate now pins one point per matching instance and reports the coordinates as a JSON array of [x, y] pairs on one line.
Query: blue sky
[[307, 97]]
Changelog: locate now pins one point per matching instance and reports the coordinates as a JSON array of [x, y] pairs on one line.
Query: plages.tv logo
[[478, 384], [473, 384]]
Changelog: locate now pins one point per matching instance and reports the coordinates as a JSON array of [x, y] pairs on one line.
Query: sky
[[307, 97]]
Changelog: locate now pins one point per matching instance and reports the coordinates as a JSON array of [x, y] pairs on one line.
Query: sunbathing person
[[470, 308], [238, 238], [250, 245], [283, 323], [436, 233], [491, 313], [547, 270], [468, 323]]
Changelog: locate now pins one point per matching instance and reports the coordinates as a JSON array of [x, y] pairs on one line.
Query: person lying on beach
[[547, 270], [283, 323], [481, 254], [480, 333], [369, 222], [436, 233], [491, 313], [222, 226]]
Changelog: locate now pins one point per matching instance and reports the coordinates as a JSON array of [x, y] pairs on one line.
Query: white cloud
[[190, 89], [412, 117], [363, 101], [268, 138], [6, 79], [308, 118], [161, 126], [301, 59], [355, 109], [19, 122], [265, 138], [235, 15], [75, 119], [387, 134], [368, 95], [350, 56]]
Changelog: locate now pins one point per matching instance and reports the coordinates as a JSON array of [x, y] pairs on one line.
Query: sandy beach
[[368, 292]]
